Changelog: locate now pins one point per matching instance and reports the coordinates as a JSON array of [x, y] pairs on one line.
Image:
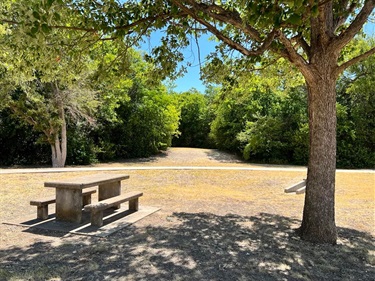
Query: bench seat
[[98, 208], [42, 204]]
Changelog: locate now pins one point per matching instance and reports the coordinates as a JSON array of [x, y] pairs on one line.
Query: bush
[[195, 119], [19, 144], [145, 124]]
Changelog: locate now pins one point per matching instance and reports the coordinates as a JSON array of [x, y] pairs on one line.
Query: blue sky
[[192, 78], [192, 54], [370, 29]]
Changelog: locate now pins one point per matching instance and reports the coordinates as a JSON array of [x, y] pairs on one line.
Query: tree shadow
[[231, 158], [224, 157], [141, 160], [198, 246]]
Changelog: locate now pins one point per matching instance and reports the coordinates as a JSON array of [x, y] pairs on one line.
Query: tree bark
[[318, 224], [64, 141], [59, 147], [56, 154]]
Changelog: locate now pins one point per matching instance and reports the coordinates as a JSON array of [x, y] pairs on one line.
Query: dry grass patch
[[355, 201], [214, 225], [216, 191]]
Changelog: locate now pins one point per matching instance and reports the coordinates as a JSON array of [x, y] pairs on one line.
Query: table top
[[86, 181]]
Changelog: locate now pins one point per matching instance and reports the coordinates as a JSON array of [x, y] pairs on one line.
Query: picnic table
[[69, 193]]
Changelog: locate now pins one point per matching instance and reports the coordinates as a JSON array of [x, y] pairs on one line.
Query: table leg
[[109, 190], [69, 204]]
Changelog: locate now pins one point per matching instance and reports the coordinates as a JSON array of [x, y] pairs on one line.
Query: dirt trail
[[184, 156]]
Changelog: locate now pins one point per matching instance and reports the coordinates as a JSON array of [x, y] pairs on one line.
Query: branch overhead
[[355, 60], [217, 15], [289, 31], [348, 34]]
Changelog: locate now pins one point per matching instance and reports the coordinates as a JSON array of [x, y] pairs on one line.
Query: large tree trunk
[[318, 224]]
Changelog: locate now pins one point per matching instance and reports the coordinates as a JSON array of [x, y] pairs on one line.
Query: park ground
[[214, 224]]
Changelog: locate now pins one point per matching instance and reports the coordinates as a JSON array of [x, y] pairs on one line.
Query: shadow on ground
[[200, 246], [143, 160], [223, 157]]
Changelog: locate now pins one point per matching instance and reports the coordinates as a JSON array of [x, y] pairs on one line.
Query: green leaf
[[298, 3], [36, 15], [34, 30], [294, 19], [45, 28], [314, 11], [277, 20], [57, 16], [49, 3]]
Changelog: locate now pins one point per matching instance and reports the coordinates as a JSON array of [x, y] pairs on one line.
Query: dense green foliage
[[271, 130], [137, 117], [195, 118], [263, 119], [263, 116], [145, 124], [124, 113], [356, 116], [280, 136], [19, 143]]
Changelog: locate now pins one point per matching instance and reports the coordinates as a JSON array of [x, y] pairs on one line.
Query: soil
[[213, 225]]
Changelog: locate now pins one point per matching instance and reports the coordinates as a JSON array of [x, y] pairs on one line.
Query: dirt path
[[195, 156], [173, 158], [213, 225]]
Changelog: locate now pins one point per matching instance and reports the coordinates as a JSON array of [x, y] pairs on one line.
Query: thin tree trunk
[[59, 148], [63, 135], [318, 224], [54, 156], [57, 160]]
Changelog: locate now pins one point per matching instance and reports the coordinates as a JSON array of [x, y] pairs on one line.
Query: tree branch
[[148, 20], [74, 28], [8, 21], [341, 19], [347, 35], [214, 30], [355, 60], [302, 42], [291, 54], [12, 22], [233, 18]]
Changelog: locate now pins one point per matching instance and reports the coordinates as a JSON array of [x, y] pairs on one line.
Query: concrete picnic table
[[69, 193]]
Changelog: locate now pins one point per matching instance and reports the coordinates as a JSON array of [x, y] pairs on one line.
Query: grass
[[261, 190], [213, 225]]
